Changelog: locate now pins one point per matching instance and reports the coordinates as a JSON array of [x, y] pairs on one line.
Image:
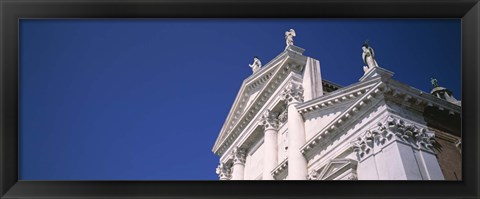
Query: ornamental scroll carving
[[392, 129], [293, 93]]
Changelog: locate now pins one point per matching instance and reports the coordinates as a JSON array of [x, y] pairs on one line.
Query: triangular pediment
[[349, 104], [337, 168], [253, 88]]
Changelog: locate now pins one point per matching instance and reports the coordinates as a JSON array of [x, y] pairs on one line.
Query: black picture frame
[[13, 10]]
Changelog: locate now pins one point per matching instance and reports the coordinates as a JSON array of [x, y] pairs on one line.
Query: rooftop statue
[[256, 65], [368, 57], [434, 82], [289, 37]]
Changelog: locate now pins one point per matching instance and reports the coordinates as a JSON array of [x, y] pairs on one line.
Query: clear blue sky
[[146, 99]]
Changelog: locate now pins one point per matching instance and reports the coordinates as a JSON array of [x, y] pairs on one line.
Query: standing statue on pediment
[[289, 37], [368, 57], [256, 65], [434, 82]]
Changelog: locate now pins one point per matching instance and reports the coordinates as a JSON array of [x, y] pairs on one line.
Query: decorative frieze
[[393, 129]]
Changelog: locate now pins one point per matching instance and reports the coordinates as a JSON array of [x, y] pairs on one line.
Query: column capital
[[238, 156], [293, 93], [393, 129], [224, 171], [269, 120]]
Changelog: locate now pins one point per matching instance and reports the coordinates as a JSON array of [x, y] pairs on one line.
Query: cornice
[[340, 95], [331, 84], [419, 98], [446, 136], [282, 167]]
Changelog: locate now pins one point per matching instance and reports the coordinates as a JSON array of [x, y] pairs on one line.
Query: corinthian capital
[[292, 93], [223, 171], [269, 120], [238, 156]]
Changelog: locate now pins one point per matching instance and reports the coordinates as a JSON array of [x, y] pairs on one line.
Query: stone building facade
[[287, 123]]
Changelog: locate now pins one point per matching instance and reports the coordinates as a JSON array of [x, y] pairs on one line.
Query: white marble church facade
[[287, 123]]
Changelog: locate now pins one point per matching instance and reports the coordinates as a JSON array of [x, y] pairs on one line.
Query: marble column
[[297, 164], [224, 171], [238, 164], [270, 160]]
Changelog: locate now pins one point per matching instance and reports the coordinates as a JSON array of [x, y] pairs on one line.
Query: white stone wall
[[317, 120], [254, 161], [282, 143]]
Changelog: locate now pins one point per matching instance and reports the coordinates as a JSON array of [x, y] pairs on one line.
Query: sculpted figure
[[434, 82], [368, 57], [289, 37], [256, 65], [218, 171]]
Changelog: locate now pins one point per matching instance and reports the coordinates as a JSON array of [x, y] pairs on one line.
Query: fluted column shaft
[[238, 164], [297, 164], [270, 160]]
